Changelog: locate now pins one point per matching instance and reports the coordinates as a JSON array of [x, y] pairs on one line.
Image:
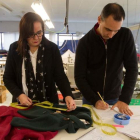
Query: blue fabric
[[86, 102], [110, 102], [68, 44]]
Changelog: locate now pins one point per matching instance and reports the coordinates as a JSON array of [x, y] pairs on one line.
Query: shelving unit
[[2, 69]]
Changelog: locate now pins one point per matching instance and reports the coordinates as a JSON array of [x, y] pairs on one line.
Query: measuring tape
[[16, 105], [121, 119], [45, 104], [99, 122]]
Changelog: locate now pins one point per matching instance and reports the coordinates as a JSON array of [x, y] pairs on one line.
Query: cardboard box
[[3, 92]]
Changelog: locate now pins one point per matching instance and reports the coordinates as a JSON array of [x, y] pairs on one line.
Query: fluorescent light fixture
[[39, 9], [49, 24], [5, 8], [19, 16]]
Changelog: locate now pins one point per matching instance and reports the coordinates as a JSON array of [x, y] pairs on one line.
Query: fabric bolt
[[43, 119]]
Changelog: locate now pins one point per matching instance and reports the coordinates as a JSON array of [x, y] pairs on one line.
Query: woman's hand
[[24, 100], [70, 103]]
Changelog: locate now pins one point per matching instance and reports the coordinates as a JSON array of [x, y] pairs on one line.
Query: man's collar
[[95, 28]]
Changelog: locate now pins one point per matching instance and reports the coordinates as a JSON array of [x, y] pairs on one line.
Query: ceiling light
[[5, 8], [19, 16], [39, 9], [49, 24]]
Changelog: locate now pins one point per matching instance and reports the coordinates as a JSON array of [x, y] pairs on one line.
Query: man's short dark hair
[[113, 9]]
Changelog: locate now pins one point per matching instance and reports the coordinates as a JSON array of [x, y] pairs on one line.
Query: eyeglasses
[[39, 34]]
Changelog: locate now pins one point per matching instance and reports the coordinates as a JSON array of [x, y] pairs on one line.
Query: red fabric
[[95, 28], [12, 133], [60, 96], [26, 134], [6, 115]]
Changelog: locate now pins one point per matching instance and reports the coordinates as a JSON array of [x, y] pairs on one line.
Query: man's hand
[[101, 105], [123, 108], [24, 100], [70, 103]]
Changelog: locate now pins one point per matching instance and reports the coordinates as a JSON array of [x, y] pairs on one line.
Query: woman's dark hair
[[26, 29], [113, 9]]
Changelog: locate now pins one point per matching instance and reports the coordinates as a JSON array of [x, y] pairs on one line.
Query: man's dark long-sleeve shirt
[[100, 70]]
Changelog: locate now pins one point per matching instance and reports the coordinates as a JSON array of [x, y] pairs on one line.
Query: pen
[[105, 103], [101, 98], [115, 110]]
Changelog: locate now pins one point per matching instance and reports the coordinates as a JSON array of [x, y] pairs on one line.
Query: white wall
[[9, 26], [9, 38], [84, 27]]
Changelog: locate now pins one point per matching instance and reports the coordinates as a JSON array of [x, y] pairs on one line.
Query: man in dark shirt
[[100, 57]]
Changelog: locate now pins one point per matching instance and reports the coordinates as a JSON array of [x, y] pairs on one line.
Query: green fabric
[[42, 119], [135, 102]]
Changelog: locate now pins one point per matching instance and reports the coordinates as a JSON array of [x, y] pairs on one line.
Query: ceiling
[[82, 13]]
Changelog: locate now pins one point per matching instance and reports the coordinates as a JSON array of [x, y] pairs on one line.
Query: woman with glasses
[[34, 66]]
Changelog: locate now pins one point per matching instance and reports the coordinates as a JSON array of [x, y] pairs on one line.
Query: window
[[1, 41], [63, 37], [9, 38], [47, 36]]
